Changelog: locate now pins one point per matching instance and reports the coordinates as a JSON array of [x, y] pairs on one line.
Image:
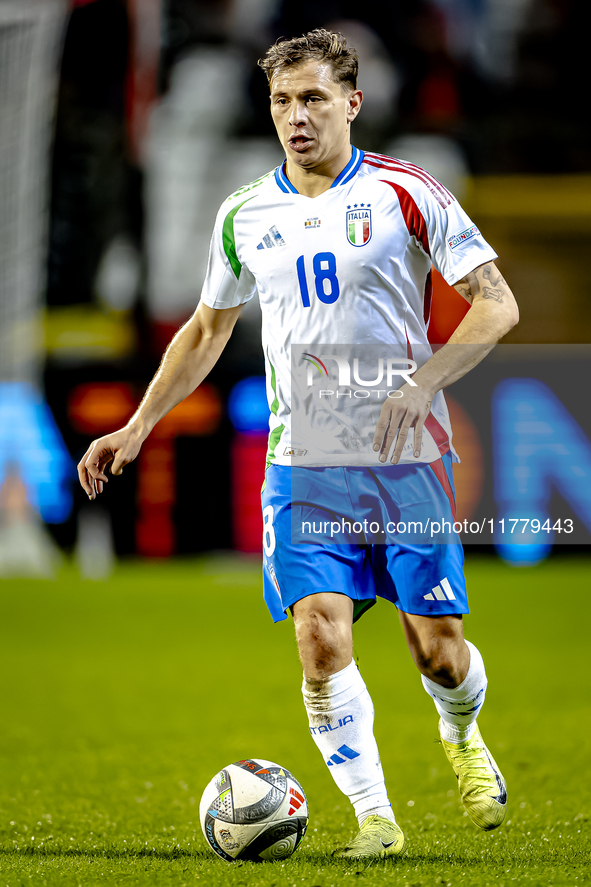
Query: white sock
[[459, 708], [340, 714]]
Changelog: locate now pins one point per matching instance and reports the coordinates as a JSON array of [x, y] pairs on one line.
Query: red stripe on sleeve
[[443, 197], [395, 163], [427, 299], [412, 216]]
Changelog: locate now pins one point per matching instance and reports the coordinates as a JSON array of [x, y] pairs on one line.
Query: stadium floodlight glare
[[523, 555], [247, 406], [539, 448], [31, 445]]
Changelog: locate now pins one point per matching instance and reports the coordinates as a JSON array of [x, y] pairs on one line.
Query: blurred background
[[126, 123]]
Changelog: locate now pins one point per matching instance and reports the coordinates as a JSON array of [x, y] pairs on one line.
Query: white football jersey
[[344, 282]]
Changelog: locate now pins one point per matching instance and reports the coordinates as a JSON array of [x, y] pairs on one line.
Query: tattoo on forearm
[[488, 293], [492, 273], [473, 283]]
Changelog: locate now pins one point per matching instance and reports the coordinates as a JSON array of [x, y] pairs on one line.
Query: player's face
[[312, 113]]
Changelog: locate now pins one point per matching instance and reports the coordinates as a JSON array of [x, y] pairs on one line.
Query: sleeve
[[455, 243], [228, 283]]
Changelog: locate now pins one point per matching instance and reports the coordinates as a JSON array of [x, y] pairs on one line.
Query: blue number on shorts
[[325, 269]]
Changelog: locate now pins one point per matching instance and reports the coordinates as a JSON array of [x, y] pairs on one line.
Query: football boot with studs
[[482, 787], [377, 837]]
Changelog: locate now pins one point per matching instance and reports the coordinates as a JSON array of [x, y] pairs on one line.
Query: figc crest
[[359, 226]]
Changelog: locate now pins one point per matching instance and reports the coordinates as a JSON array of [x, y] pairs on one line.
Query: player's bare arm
[[187, 361], [492, 314]]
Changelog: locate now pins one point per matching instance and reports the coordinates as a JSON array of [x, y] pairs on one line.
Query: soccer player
[[339, 244]]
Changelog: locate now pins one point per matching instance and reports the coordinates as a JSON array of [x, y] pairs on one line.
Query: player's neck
[[313, 182]]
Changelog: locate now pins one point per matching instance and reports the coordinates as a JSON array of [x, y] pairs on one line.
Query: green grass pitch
[[121, 700]]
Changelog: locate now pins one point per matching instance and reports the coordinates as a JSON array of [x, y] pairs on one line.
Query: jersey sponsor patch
[[462, 237], [358, 226]]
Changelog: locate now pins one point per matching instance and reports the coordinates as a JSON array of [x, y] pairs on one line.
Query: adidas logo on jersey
[[441, 592], [272, 238]]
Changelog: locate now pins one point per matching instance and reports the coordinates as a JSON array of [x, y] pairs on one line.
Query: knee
[[324, 642], [319, 630], [444, 661]]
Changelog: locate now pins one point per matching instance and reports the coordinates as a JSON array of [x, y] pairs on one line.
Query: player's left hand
[[397, 417]]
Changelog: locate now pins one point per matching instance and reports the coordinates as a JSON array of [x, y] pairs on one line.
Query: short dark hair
[[326, 46]]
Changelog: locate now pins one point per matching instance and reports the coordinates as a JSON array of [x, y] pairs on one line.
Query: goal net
[[31, 32]]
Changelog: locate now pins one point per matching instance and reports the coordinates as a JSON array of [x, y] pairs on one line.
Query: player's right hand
[[117, 450]]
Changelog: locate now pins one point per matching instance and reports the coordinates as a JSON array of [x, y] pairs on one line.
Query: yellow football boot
[[482, 787], [378, 837]]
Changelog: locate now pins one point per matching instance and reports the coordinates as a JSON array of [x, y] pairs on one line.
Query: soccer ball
[[253, 810]]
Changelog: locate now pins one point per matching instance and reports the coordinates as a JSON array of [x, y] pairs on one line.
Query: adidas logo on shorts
[[441, 592]]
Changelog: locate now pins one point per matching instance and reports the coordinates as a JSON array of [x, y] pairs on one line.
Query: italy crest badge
[[359, 226]]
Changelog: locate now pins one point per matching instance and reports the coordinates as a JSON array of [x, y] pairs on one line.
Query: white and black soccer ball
[[253, 810]]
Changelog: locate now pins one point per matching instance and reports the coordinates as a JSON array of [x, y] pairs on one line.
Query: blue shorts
[[344, 530]]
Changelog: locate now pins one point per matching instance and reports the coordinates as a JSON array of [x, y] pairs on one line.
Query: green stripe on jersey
[[229, 240], [274, 439], [275, 404], [275, 435]]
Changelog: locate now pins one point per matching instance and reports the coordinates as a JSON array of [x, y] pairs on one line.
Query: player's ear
[[354, 104]]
